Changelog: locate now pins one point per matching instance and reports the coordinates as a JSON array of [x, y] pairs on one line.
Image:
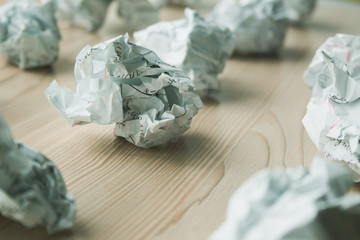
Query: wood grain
[[179, 191]]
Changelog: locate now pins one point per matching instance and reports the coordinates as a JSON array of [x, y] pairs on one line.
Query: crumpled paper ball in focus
[[151, 102]]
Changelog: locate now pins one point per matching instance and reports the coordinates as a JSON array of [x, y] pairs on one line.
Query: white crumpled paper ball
[[151, 102], [258, 26], [298, 11], [198, 47], [294, 204], [29, 36], [139, 13], [90, 14], [332, 119], [32, 190]]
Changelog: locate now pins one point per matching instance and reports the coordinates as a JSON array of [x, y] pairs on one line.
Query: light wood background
[[180, 191]]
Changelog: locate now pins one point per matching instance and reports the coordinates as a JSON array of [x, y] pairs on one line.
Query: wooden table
[[180, 191]]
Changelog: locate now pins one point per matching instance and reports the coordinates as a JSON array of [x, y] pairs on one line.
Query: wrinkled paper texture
[[198, 47], [294, 204], [90, 14], [32, 190], [29, 36], [333, 117], [259, 26], [298, 11], [140, 13], [150, 101]]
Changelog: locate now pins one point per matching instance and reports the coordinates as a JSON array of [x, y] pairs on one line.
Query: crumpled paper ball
[[90, 14], [29, 36], [198, 47], [140, 13], [332, 117], [32, 190], [151, 102], [294, 203], [298, 11], [258, 26]]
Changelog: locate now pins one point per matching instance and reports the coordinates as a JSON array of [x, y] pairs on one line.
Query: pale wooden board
[[179, 191]]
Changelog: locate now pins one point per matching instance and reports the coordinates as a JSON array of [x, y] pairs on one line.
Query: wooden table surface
[[180, 191]]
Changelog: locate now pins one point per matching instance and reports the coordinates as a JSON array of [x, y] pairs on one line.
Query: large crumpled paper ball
[[333, 117], [259, 26], [32, 190], [29, 36], [90, 14], [151, 102], [198, 47]]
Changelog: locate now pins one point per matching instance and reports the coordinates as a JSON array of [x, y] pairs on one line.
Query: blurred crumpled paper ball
[[198, 47], [90, 14], [297, 11], [294, 203], [29, 36], [32, 190], [258, 26]]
